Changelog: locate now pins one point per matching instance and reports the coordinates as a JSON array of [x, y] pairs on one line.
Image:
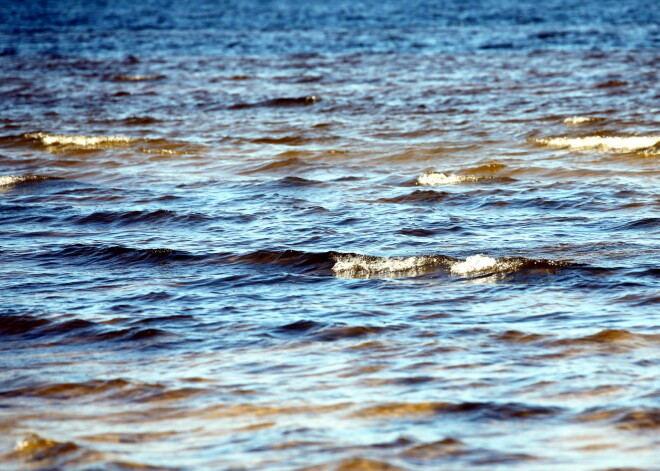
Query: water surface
[[329, 236]]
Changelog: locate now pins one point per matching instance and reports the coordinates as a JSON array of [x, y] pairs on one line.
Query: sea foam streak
[[435, 178], [603, 143]]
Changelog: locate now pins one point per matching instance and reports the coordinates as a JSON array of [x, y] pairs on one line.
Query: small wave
[[138, 217], [364, 266], [610, 338], [285, 140], [11, 180], [279, 103], [119, 254], [139, 120], [435, 178], [163, 152], [36, 449], [612, 84], [293, 258], [298, 181], [73, 141], [625, 418], [578, 120], [618, 144], [137, 78], [417, 196], [289, 164], [478, 410]]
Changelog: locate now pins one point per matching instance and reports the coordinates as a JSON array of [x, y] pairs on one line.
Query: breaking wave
[[362, 266]]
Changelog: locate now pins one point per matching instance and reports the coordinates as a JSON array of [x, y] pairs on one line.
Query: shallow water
[[303, 235]]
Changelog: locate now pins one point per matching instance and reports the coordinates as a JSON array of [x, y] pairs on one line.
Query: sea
[[348, 235]]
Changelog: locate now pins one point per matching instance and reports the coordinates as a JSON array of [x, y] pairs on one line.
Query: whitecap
[[436, 178], [603, 143]]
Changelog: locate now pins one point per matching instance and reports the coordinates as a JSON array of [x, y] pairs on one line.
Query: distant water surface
[[343, 235]]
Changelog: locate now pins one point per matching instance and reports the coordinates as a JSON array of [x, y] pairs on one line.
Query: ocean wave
[[617, 144], [11, 180], [137, 78], [119, 254], [578, 120], [436, 178], [416, 197], [363, 266], [160, 216], [286, 102], [59, 143], [64, 141]]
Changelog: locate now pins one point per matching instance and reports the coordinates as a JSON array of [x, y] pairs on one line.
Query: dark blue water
[[329, 236]]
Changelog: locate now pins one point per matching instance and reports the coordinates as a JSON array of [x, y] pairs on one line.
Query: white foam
[[80, 141], [482, 264], [473, 264], [435, 178], [603, 143], [577, 120]]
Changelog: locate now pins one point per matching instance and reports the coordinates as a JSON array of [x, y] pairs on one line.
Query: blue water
[[329, 236]]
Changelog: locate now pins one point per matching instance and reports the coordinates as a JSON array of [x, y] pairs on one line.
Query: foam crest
[[436, 178], [603, 143], [78, 141], [363, 266]]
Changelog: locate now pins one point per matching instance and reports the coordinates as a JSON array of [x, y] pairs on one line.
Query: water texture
[[286, 235]]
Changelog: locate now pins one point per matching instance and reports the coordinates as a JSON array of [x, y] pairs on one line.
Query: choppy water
[[329, 235]]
